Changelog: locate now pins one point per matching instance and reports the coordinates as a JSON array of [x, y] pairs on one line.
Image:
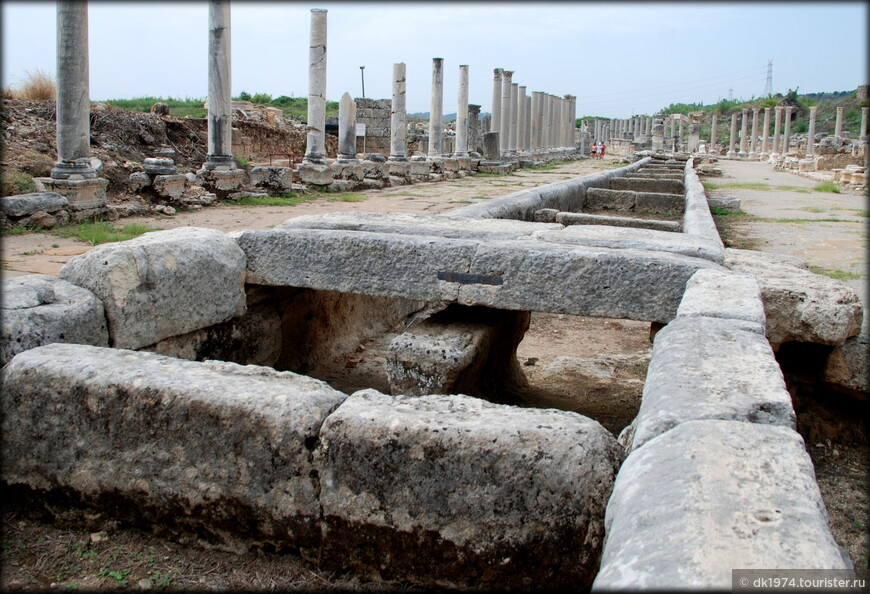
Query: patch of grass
[[835, 273], [19, 230], [281, 200], [349, 198], [16, 182], [862, 213], [721, 211], [813, 209], [187, 107], [827, 187], [242, 162], [99, 232]]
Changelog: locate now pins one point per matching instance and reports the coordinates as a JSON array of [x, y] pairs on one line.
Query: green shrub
[[828, 186], [16, 182]]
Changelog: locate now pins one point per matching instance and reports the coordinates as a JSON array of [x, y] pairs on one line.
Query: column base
[[213, 162], [315, 158], [398, 158], [75, 170], [86, 197]]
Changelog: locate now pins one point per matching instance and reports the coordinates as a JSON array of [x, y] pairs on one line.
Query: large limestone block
[[221, 449], [278, 179], [598, 199], [711, 496], [658, 203], [459, 492], [722, 294], [315, 174], [640, 184], [577, 218], [419, 224], [163, 283], [38, 309], [707, 368], [799, 305], [26, 204], [847, 367]]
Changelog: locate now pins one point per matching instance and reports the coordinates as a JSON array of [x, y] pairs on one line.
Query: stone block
[[138, 181], [83, 195], [170, 186], [163, 283], [711, 496], [602, 199], [22, 205], [727, 295], [566, 196], [160, 166], [277, 179], [39, 309], [707, 368], [662, 204], [221, 181], [462, 493], [219, 449], [847, 369], [460, 351], [665, 186], [799, 305], [578, 218]]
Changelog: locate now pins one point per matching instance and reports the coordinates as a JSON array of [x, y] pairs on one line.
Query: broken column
[[765, 133], [838, 125], [774, 153], [398, 126], [715, 122], [808, 163], [462, 114], [863, 122], [658, 139], [742, 151], [346, 129], [496, 102], [787, 132], [694, 136], [753, 141], [505, 125], [73, 175], [436, 112], [315, 149], [731, 142]]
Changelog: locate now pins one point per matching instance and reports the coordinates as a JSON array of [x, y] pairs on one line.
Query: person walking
[[601, 149], [593, 151]]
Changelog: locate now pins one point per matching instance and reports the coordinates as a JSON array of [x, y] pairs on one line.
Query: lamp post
[[362, 73]]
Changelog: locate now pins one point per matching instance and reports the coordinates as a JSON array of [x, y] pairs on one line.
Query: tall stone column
[[496, 103], [505, 126], [787, 133], [436, 111], [754, 140], [346, 129], [765, 134], [220, 124], [398, 116], [538, 131], [811, 132], [527, 142], [732, 141], [674, 126], [713, 133], [838, 126], [73, 94], [863, 122], [681, 129], [572, 121], [512, 147], [474, 133], [315, 148], [777, 119], [462, 114], [742, 151], [521, 118]]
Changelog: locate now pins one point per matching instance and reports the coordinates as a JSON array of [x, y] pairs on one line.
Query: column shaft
[[398, 116], [462, 114], [315, 150]]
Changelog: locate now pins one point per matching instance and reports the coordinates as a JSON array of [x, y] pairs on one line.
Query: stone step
[[599, 199], [547, 215], [666, 186]]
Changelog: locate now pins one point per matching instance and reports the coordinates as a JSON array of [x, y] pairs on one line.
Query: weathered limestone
[[602, 199], [733, 137], [515, 498], [398, 115], [39, 309], [220, 125], [552, 215], [765, 134], [152, 286], [506, 105], [658, 139], [775, 150], [641, 184], [220, 449], [276, 179], [799, 305], [742, 152], [22, 205], [315, 147], [462, 114], [709, 496], [726, 295], [346, 129], [436, 112], [838, 124], [754, 139], [460, 350], [846, 367], [496, 104]]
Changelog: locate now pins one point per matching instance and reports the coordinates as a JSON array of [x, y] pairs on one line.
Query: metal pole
[[362, 73]]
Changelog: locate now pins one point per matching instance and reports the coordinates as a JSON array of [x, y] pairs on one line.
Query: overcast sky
[[619, 58]]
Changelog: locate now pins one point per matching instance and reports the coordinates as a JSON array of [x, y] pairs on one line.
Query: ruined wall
[[375, 114]]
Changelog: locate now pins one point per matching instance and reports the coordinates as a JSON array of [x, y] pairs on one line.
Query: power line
[[680, 84]]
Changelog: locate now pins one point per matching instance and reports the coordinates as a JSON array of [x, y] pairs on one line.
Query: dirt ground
[[592, 366]]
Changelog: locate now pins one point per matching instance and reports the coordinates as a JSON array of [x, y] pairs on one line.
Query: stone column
[[315, 149], [496, 102], [674, 126], [505, 126], [474, 134], [436, 111], [765, 134], [754, 140], [572, 122], [521, 118], [811, 132], [742, 151], [658, 138], [527, 141], [538, 128], [462, 114], [787, 133], [398, 116], [73, 95], [777, 119], [838, 126], [346, 129], [512, 147], [694, 136], [680, 133], [220, 124], [863, 122], [733, 139], [713, 138]]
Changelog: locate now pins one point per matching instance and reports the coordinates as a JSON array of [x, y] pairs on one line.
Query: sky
[[619, 58]]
